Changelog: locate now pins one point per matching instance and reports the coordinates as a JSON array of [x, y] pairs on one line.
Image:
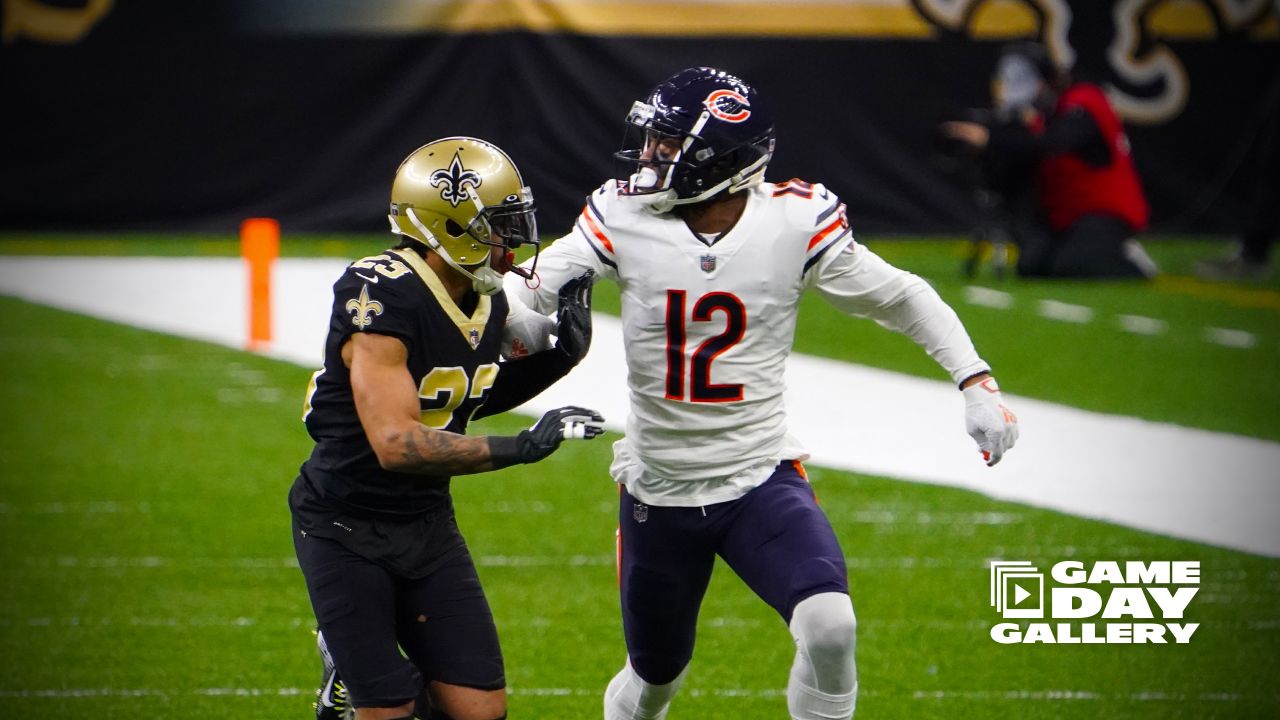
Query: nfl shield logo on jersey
[[640, 512], [707, 263], [474, 338]]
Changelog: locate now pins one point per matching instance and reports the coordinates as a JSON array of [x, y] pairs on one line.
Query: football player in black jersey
[[413, 353]]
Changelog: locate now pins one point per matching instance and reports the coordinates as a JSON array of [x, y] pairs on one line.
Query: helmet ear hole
[[454, 229]]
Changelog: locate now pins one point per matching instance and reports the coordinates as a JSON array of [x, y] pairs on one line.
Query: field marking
[[1080, 314], [1223, 574], [1064, 312], [922, 517], [77, 507], [1149, 476], [1263, 299], [1050, 695], [1230, 338], [1142, 325], [987, 297]]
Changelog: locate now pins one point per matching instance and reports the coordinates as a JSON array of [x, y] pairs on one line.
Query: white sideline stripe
[[1193, 484]]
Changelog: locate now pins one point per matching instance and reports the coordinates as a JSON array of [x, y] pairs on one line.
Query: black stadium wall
[[174, 116]]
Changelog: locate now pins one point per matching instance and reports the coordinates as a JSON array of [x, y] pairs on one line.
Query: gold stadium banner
[[999, 19]]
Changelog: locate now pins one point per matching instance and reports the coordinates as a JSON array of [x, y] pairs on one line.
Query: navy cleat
[[331, 699]]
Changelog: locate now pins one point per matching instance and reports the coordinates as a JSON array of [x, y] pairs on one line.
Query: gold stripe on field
[[1262, 299]]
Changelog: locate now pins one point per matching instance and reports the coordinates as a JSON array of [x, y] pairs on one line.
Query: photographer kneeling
[[1061, 140]]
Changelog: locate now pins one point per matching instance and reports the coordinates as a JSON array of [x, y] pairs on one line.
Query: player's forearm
[[421, 450], [521, 380], [860, 283], [933, 325]]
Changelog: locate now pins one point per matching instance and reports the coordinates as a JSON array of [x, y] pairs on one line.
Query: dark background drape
[[180, 116]]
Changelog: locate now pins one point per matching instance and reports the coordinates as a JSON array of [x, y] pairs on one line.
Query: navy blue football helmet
[[700, 132]]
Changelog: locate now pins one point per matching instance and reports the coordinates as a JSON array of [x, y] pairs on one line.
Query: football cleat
[[331, 702]]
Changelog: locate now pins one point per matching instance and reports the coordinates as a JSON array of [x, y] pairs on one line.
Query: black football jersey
[[453, 359]]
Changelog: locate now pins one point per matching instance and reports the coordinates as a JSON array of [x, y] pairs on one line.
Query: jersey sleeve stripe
[[823, 233], [586, 232], [595, 211], [827, 213], [815, 256], [594, 230]]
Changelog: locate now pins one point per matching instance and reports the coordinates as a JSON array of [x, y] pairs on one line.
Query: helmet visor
[[509, 226], [653, 154]]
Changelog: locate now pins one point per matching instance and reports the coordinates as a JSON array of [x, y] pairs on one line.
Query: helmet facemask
[[688, 154], [508, 226]]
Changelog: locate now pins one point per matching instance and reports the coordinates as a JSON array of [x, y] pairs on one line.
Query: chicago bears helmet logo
[[728, 105]]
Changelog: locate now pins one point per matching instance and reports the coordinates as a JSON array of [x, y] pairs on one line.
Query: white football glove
[[988, 420]]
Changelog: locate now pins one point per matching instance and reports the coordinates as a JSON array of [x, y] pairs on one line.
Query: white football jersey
[[708, 327]]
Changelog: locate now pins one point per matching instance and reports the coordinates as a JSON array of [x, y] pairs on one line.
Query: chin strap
[[484, 279]]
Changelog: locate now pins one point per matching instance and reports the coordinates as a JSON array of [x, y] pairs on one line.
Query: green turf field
[[143, 523]]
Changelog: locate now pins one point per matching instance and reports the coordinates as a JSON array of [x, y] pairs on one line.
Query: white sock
[[629, 697], [824, 677]]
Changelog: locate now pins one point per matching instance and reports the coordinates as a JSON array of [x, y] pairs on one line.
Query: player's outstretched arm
[[387, 403], [860, 283]]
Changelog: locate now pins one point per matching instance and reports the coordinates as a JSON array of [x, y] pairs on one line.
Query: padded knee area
[[825, 630]]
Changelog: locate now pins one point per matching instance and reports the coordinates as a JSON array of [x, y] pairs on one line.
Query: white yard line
[[1194, 484], [1052, 695]]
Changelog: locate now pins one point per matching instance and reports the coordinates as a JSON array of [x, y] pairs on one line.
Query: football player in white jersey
[[711, 262]]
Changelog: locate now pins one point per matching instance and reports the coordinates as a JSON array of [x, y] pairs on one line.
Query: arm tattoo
[[437, 452]]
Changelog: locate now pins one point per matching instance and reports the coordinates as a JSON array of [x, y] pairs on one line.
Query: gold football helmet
[[460, 197]]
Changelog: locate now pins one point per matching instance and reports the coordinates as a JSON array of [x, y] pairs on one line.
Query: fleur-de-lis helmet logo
[[456, 179], [364, 309]]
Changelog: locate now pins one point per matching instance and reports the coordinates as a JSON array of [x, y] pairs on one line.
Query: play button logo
[[1017, 589]]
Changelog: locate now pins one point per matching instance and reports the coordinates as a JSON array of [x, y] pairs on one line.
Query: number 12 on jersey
[[701, 389]]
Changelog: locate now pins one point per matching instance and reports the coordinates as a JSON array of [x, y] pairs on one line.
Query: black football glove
[[573, 318], [545, 436]]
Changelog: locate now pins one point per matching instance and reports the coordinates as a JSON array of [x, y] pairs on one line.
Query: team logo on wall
[[364, 308], [728, 105], [454, 181], [1147, 82]]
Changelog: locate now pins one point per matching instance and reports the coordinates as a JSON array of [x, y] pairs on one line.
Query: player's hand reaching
[[546, 435], [988, 420], [573, 317]]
